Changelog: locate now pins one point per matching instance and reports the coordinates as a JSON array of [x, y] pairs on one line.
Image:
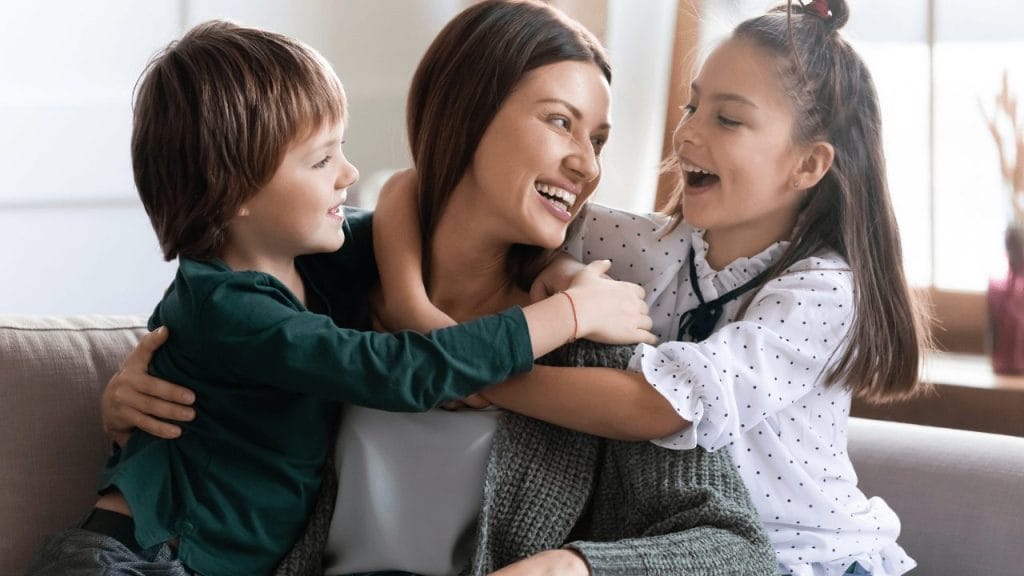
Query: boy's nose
[[348, 174]]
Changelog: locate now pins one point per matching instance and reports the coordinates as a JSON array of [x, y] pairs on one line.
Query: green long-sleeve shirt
[[237, 486]]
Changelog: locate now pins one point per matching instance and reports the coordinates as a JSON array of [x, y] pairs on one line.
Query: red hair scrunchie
[[819, 7]]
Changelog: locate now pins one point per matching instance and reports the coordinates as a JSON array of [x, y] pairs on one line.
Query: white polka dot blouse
[[756, 385]]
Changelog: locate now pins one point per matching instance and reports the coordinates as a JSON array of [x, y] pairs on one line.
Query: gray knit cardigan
[[628, 507]]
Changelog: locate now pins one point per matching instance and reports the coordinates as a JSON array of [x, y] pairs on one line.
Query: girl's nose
[[685, 133]]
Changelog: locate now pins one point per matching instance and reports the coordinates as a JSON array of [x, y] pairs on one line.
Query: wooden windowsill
[[971, 370], [966, 394]]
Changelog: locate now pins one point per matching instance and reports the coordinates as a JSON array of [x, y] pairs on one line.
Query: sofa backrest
[[52, 446], [959, 494]]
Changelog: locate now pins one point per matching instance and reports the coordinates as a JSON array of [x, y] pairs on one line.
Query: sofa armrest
[[959, 494], [52, 446]]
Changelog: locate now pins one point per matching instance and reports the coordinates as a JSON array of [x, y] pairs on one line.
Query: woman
[[507, 116]]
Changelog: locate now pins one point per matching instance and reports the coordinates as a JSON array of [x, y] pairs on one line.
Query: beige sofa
[[960, 494]]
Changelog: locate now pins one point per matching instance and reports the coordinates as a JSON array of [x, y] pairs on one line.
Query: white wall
[[74, 237]]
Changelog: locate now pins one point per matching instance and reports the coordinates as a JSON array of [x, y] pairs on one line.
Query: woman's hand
[[134, 399], [548, 563]]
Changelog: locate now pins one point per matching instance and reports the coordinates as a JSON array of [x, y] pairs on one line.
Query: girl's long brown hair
[[849, 210]]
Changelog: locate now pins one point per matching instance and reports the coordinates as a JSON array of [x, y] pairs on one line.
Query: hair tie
[[819, 7]]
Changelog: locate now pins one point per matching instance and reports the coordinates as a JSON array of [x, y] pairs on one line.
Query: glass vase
[[1006, 309]]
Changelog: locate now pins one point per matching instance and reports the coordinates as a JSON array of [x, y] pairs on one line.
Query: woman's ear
[[814, 165]]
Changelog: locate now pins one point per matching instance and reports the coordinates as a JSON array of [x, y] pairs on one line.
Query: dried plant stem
[[1010, 146]]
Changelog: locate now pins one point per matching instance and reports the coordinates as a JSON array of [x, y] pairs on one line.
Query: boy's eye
[[323, 163]]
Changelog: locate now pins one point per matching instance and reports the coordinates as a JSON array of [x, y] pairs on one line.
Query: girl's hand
[[609, 311], [548, 563], [555, 277], [134, 399]]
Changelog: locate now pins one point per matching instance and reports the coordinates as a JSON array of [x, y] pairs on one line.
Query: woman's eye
[[688, 110], [598, 144], [560, 121], [323, 163], [728, 122]]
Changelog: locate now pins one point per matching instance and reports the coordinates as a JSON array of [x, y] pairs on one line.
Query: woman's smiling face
[[539, 159], [734, 145]]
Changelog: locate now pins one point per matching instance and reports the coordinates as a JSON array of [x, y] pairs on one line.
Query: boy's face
[[299, 210]]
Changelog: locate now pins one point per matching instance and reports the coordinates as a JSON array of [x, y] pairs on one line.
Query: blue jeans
[[78, 552]]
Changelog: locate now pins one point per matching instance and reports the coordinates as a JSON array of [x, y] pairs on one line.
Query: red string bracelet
[[575, 319]]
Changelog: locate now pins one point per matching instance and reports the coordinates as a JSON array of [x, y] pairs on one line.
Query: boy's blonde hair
[[214, 114]]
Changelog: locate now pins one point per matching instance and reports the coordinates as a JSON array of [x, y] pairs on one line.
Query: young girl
[[776, 284]]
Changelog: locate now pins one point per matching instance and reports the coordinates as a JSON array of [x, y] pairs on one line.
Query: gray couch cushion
[[959, 494], [52, 371]]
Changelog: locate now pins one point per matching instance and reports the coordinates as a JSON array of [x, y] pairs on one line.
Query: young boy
[[236, 149]]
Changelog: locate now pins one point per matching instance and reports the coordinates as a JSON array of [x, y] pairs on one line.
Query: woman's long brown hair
[[469, 70]]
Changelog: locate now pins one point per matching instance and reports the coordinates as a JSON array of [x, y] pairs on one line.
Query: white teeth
[[691, 168], [564, 197]]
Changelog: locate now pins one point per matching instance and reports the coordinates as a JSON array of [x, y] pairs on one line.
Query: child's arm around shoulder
[[755, 366], [258, 332], [634, 242], [403, 302]]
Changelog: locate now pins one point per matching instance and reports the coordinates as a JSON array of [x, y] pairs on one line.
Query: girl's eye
[[728, 122], [688, 110], [323, 163]]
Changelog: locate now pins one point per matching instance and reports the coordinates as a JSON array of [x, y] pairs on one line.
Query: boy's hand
[[609, 311], [134, 399], [555, 277]]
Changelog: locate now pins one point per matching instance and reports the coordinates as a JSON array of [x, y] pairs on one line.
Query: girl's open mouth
[[697, 177]]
